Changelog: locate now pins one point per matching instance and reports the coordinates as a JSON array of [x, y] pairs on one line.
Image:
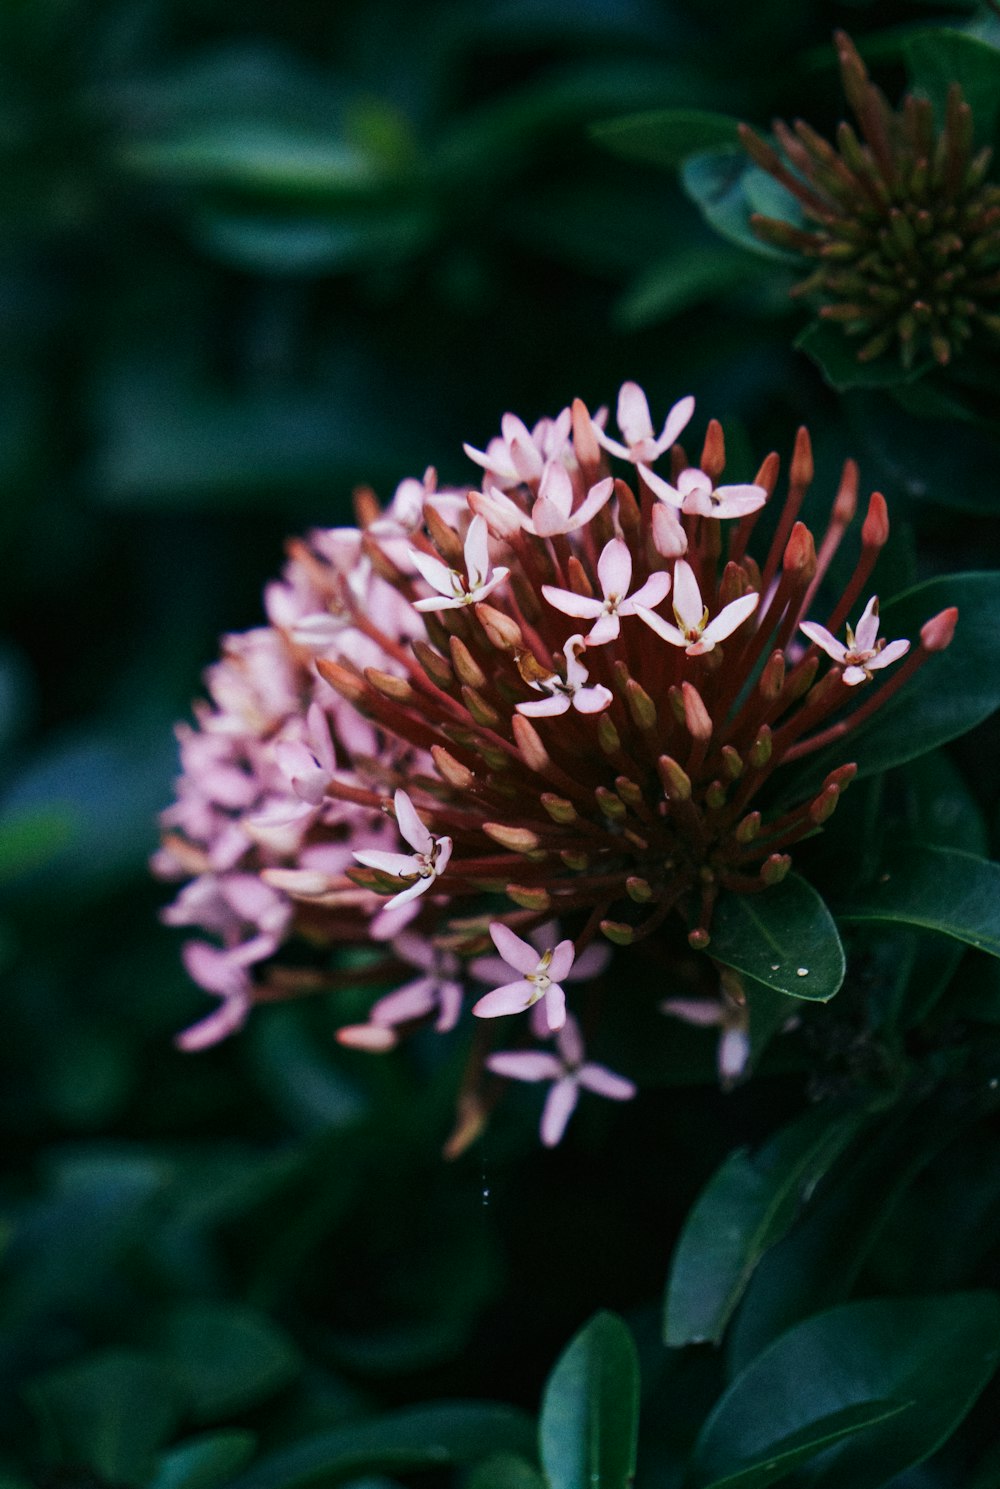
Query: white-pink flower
[[568, 1071], [552, 511], [571, 692], [614, 570], [733, 1053], [864, 652], [519, 454], [641, 445], [694, 631], [426, 863], [224, 973], [695, 494], [541, 977], [455, 589]]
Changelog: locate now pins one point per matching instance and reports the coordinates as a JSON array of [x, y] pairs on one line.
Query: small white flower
[[694, 631], [864, 653], [519, 454], [636, 425], [454, 589], [552, 512], [695, 494], [427, 863], [614, 570], [568, 1071], [571, 692]]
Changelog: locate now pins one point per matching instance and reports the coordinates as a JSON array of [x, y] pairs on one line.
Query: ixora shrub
[[525, 741]]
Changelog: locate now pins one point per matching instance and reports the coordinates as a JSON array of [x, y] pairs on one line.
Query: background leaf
[[590, 1409]]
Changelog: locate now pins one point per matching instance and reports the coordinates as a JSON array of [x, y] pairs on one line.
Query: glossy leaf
[[747, 1206], [937, 58], [935, 889], [721, 183], [433, 1436], [205, 1461], [836, 355], [590, 1409], [784, 937], [913, 1366], [666, 137], [228, 1357], [108, 1413]]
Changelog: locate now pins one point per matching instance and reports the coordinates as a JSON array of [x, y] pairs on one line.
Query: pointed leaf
[[229, 1357], [722, 184], [205, 1461], [665, 137], [590, 1409], [937, 889], [933, 1355], [836, 355], [784, 937], [747, 1206]]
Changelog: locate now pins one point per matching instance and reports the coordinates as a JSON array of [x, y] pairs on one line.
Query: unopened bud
[[669, 537], [529, 743], [629, 791], [800, 553], [769, 471], [450, 769], [437, 669], [575, 860], [484, 713], [696, 716], [846, 502], [875, 531], [772, 677], [715, 796], [299, 883], [588, 451], [676, 781], [466, 667], [698, 939], [517, 839], [347, 683], [618, 932], [366, 506], [371, 1037], [640, 705], [607, 736], [760, 750], [558, 808], [748, 829], [842, 776], [824, 806], [774, 869], [610, 804], [732, 762], [390, 686], [504, 633], [713, 452], [529, 897], [639, 890], [937, 633], [802, 468]]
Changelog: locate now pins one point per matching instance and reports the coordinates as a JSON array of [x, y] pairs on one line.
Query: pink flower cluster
[[529, 717]]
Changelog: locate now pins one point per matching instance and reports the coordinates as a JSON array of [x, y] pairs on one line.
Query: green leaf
[[687, 278], [263, 157], [784, 937], [590, 1409], [110, 1413], [205, 1461], [722, 184], [935, 889], [747, 1206], [31, 836], [937, 58], [505, 1471], [433, 1436], [898, 1375], [836, 355], [227, 1356], [954, 689], [666, 137]]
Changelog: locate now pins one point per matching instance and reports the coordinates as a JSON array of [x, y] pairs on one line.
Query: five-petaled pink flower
[[455, 589], [864, 653], [614, 570], [696, 495], [573, 691], [541, 976], [427, 863], [568, 1071], [636, 425], [694, 631]]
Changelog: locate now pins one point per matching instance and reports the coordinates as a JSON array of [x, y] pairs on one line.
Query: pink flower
[[568, 1072], [694, 631], [614, 570], [552, 512], [732, 1057], [863, 654], [223, 973], [571, 692], [519, 455], [695, 494], [426, 864], [636, 426], [540, 978], [455, 589]]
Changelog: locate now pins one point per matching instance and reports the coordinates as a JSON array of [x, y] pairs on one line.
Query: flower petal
[[821, 637], [662, 627], [582, 606], [562, 960], [689, 607], [889, 653], [606, 628], [633, 415], [410, 825], [605, 1082], [559, 1106], [662, 489], [651, 594], [555, 1007], [438, 575], [515, 952], [513, 997], [596, 498], [592, 700], [525, 1065], [867, 628], [729, 618], [677, 421], [477, 552], [546, 708], [614, 568]]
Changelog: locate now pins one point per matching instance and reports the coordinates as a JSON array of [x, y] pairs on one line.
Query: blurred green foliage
[[250, 256]]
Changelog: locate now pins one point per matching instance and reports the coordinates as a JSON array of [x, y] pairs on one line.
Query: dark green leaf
[[954, 689], [688, 278], [432, 1436], [748, 1205], [721, 183], [110, 1413], [937, 58], [665, 137], [590, 1409], [936, 889], [203, 1462], [784, 937], [263, 158], [227, 1357], [505, 1471], [930, 1355], [836, 355], [785, 1453]]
